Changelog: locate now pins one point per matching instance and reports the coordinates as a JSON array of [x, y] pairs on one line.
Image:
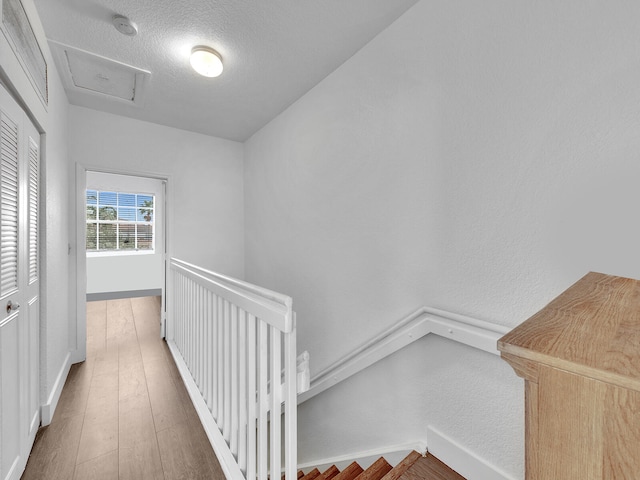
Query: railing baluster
[[183, 315], [174, 306], [263, 401], [276, 396], [179, 309], [201, 324], [251, 398], [188, 322], [191, 326], [212, 354], [182, 309], [233, 440], [196, 335], [185, 319], [220, 355], [226, 429], [207, 350], [242, 420], [201, 338], [290, 404]]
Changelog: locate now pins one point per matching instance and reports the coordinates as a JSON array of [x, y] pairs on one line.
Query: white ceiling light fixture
[[124, 25], [206, 61]]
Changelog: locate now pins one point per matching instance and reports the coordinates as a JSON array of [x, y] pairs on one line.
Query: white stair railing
[[232, 341]]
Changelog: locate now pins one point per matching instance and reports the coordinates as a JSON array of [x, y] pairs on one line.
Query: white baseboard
[[79, 355], [392, 453], [48, 409], [462, 460]]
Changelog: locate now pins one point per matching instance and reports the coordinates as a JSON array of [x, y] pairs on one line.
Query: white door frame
[[81, 257]]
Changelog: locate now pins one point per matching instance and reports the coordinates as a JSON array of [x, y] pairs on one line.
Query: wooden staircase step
[[329, 473], [349, 473], [312, 475], [403, 466], [376, 471], [432, 468], [413, 467]]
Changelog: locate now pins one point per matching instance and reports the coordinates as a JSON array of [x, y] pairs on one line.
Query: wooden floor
[[124, 413]]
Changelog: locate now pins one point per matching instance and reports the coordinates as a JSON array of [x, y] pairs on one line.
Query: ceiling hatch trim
[[94, 75]]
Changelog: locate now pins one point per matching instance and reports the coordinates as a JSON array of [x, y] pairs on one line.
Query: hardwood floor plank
[[135, 421], [120, 327], [166, 403], [173, 369], [132, 380], [140, 461], [98, 437], [55, 449], [97, 308], [106, 361], [104, 467], [185, 455], [124, 413], [74, 396], [96, 326], [102, 402]]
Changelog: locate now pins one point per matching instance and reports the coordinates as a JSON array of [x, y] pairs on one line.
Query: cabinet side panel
[[621, 434], [531, 430]]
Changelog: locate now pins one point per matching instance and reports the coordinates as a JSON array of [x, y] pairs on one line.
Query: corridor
[[124, 413]]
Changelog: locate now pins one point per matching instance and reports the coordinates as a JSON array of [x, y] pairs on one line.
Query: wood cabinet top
[[592, 329]]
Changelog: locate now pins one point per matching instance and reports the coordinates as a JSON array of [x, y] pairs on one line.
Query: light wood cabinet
[[580, 358]]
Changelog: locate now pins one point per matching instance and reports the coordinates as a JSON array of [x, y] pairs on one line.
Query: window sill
[[120, 253]]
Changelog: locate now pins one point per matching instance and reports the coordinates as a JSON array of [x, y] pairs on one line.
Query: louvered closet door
[[19, 287]]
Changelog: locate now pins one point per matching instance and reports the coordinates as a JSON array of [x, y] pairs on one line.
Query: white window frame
[[97, 222]]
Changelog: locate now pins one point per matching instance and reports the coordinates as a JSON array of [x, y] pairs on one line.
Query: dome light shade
[[206, 61]]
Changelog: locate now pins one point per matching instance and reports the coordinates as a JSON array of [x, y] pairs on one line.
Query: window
[[120, 221]]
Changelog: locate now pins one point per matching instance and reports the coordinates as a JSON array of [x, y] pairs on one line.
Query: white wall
[[478, 157], [128, 271], [55, 260], [205, 189]]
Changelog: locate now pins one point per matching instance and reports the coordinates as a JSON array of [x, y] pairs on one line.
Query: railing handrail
[[272, 307]]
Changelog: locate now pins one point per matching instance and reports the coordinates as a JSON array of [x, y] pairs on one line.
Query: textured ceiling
[[274, 51]]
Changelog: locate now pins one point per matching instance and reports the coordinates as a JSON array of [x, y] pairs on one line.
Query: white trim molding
[[461, 459], [48, 409], [424, 321]]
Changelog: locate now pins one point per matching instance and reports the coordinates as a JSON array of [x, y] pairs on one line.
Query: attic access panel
[[96, 75]]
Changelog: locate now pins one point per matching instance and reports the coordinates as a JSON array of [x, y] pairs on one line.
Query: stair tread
[[376, 471], [432, 468], [403, 466], [329, 473], [349, 473], [312, 475]]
